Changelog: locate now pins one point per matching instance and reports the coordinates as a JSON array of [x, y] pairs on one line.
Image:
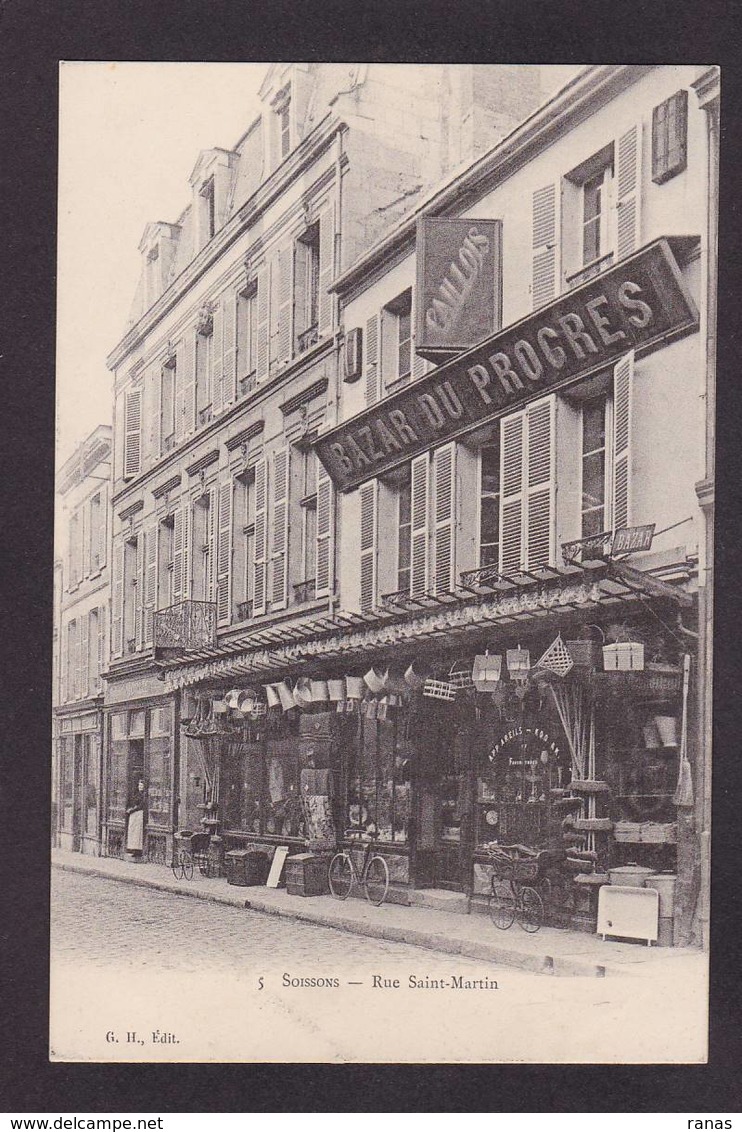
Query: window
[[130, 595], [283, 123], [309, 521], [595, 213], [670, 137], [379, 785], [247, 327], [244, 521], [167, 403], [93, 658], [71, 660], [165, 552], [396, 338], [594, 467], [75, 549], [306, 288], [404, 537], [97, 535], [204, 375], [203, 518], [489, 510], [209, 208]]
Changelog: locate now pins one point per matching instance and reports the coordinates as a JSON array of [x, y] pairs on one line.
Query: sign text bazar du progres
[[635, 305]]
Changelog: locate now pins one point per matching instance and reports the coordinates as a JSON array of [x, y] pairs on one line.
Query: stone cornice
[[245, 435], [167, 486], [304, 396], [203, 462]]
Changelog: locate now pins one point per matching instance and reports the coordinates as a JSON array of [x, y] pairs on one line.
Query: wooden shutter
[[186, 380], [419, 528], [149, 603], [512, 444], [623, 380], [101, 644], [211, 542], [139, 595], [444, 510], [132, 433], [371, 360], [539, 533], [301, 295], [83, 666], [117, 600], [229, 348], [217, 359], [545, 212], [224, 553], [284, 304], [419, 365], [261, 329], [326, 269], [628, 191], [324, 556], [368, 494], [181, 553], [260, 553], [185, 592], [280, 528], [152, 395], [274, 304]]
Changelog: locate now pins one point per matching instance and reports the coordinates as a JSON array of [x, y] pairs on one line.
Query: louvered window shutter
[[419, 365], [274, 301], [419, 528], [117, 600], [260, 553], [545, 245], [368, 494], [84, 661], [324, 558], [539, 532], [224, 553], [628, 191], [444, 507], [261, 351], [139, 595], [185, 592], [326, 268], [150, 583], [132, 433], [177, 556], [101, 644], [152, 395], [211, 542], [229, 348], [623, 380], [284, 304], [217, 365], [371, 360], [512, 429], [280, 529], [187, 382]]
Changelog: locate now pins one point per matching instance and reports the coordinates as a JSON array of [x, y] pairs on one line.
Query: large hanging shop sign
[[635, 305], [458, 283]]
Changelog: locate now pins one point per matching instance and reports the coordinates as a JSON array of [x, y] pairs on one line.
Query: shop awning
[[489, 602]]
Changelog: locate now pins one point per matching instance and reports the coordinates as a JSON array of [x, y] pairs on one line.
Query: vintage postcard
[[384, 557]]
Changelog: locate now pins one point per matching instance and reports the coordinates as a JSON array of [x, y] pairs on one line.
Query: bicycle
[[524, 870], [373, 877], [193, 849]]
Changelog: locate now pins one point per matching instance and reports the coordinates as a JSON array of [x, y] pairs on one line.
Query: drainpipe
[[707, 91], [336, 377]]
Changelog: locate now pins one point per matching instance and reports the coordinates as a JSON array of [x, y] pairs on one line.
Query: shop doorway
[[438, 848]]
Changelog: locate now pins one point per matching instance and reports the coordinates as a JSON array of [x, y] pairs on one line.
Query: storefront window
[[379, 790], [282, 807], [68, 782], [91, 786], [243, 787]]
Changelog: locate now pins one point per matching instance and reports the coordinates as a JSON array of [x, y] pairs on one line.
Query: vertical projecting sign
[[458, 283]]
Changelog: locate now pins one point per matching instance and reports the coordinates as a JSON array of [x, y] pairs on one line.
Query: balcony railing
[[244, 610], [188, 625], [304, 591], [400, 598]]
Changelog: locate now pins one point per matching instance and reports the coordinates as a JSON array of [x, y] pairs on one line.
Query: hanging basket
[[487, 672], [439, 690], [336, 689], [460, 675], [625, 656], [320, 691], [585, 655], [556, 659]]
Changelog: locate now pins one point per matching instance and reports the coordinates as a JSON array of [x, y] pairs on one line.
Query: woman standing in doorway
[[135, 824]]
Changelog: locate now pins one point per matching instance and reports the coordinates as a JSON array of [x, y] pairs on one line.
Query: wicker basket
[[588, 786], [593, 825], [585, 654]]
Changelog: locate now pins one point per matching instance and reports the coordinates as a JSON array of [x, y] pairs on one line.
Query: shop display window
[[91, 787], [282, 806], [243, 788], [68, 782], [260, 789], [379, 787], [159, 794], [117, 779]]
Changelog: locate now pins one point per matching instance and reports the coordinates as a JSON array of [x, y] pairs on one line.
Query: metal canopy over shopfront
[[487, 601]]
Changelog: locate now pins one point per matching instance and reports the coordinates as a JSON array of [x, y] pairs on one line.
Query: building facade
[[80, 647], [403, 468]]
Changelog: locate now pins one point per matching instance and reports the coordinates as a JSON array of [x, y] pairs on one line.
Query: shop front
[[77, 785], [552, 717]]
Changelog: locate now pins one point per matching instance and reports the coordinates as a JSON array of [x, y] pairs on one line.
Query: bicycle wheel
[[340, 876], [203, 864], [529, 909], [376, 881], [177, 866], [502, 911], [187, 865]]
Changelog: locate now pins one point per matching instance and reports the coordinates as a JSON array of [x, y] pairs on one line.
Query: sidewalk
[[550, 951]]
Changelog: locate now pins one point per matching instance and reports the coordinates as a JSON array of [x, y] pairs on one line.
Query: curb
[[543, 964]]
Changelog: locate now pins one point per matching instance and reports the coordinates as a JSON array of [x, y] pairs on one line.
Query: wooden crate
[[306, 874]]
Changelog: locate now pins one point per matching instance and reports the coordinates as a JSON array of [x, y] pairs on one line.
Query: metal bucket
[[631, 876], [665, 885]]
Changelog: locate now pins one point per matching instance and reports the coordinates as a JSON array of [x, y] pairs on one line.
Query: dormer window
[[283, 122], [209, 207]]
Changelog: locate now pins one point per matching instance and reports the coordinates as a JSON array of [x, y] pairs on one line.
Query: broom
[[683, 796]]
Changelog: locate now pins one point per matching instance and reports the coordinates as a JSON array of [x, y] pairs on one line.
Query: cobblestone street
[[144, 975]]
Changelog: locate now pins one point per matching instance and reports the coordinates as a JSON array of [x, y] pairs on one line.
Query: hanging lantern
[[271, 695], [487, 671], [285, 696], [518, 661]]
